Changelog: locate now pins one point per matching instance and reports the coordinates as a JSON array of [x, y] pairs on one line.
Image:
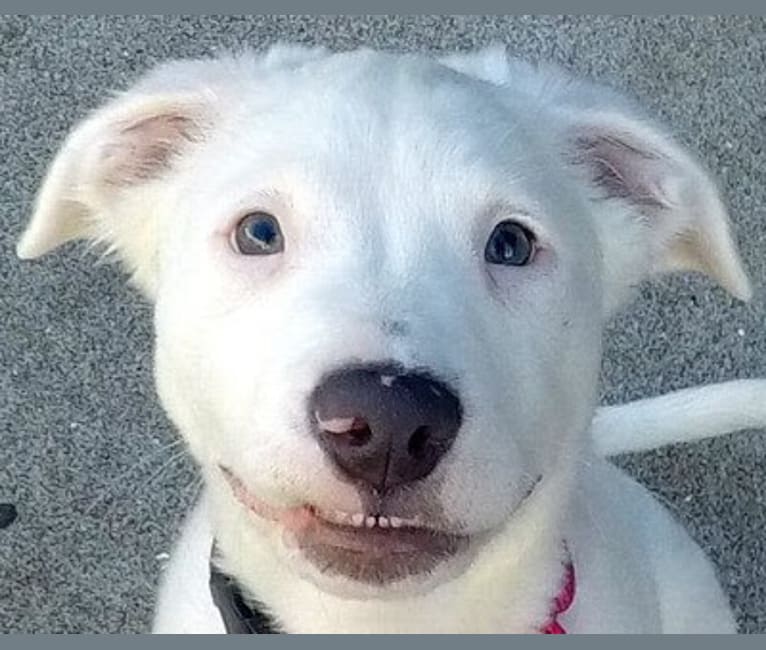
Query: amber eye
[[510, 244], [259, 233]]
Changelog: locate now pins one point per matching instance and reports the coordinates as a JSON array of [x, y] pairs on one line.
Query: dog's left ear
[[656, 207]]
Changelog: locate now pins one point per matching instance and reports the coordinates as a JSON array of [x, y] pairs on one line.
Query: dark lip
[[376, 555]]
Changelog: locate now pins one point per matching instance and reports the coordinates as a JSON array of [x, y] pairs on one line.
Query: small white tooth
[[383, 521], [370, 521], [357, 519], [396, 522], [387, 380]]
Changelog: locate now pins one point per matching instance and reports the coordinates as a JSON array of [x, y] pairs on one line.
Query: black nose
[[383, 426]]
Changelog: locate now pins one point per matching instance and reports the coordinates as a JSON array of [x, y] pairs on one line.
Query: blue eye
[[510, 244], [259, 234]]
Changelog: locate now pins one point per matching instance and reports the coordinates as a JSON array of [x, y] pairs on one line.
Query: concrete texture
[[85, 451]]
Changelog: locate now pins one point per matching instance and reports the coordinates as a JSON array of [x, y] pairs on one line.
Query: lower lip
[[368, 554]]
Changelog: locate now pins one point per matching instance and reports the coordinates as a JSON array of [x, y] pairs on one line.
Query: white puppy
[[380, 285]]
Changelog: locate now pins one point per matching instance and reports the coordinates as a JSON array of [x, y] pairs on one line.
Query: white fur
[[682, 416], [387, 174]]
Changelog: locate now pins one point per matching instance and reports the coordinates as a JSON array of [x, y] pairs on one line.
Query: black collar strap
[[238, 617]]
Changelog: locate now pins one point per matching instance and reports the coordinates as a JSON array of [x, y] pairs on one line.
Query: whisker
[[110, 485]]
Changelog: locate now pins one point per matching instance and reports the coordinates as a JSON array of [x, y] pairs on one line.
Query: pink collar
[[561, 603]]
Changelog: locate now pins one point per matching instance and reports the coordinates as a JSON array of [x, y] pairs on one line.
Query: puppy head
[[380, 283]]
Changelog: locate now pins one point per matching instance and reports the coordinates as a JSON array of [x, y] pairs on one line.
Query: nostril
[[417, 446], [360, 436]]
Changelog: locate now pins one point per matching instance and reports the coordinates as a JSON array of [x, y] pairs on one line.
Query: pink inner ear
[[621, 170], [144, 149]]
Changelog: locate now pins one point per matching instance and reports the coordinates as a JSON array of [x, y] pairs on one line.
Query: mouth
[[374, 548]]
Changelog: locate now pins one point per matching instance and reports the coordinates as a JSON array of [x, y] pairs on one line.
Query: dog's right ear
[[103, 185], [106, 183]]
